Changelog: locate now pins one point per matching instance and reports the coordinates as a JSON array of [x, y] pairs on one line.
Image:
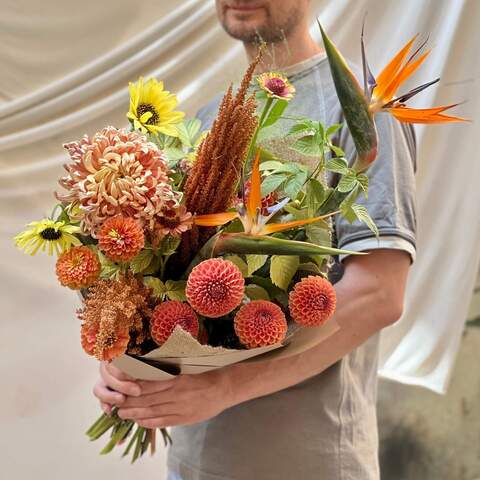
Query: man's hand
[[184, 400], [114, 386]]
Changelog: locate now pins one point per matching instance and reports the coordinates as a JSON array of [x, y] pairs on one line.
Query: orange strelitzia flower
[[250, 212], [383, 89]]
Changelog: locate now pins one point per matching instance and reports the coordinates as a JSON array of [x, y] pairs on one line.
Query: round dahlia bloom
[[312, 301], [276, 85], [114, 346], [260, 323], [121, 238], [78, 267], [171, 220], [115, 172], [215, 287], [167, 315]]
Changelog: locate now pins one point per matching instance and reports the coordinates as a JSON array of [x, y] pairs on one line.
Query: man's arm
[[369, 297]]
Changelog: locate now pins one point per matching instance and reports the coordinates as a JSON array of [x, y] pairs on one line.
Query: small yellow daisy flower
[[151, 108], [47, 235], [276, 85]]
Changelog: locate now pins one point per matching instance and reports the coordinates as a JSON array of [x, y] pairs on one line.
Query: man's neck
[[278, 56]]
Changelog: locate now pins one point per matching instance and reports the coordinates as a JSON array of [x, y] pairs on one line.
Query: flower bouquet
[[195, 250]]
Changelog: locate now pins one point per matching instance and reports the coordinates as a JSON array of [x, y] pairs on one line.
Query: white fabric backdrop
[[65, 67]]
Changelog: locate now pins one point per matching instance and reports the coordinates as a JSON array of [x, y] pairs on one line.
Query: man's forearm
[[366, 302]]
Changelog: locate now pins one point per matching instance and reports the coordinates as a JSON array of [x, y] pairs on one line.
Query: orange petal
[[214, 219], [424, 115], [254, 200], [389, 72], [278, 227], [407, 70]]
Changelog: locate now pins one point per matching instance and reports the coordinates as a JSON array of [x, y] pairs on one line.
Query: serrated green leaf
[[363, 216], [188, 130], [168, 245], [154, 266], [272, 183], [337, 165], [271, 165], [303, 126], [240, 263], [282, 269], [174, 154], [294, 184], [315, 196], [347, 183], [157, 286], [310, 267], [254, 262], [362, 180], [109, 269], [256, 292], [319, 234], [333, 129], [141, 261], [337, 150], [175, 290], [308, 145]]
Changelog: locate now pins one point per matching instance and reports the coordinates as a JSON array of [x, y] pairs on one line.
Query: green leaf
[[175, 290], [308, 145], [271, 165], [294, 184], [239, 262], [282, 269], [319, 234], [338, 165], [333, 129], [363, 216], [310, 267], [169, 245], [141, 261], [254, 262], [304, 126], [188, 130], [256, 292], [158, 287], [271, 183], [153, 267], [315, 196], [347, 183], [174, 154], [109, 269], [275, 113], [336, 150], [362, 180]]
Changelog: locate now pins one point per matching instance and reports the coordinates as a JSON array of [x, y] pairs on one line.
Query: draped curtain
[[65, 69]]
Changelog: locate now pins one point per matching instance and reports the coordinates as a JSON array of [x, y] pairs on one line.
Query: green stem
[[266, 109]]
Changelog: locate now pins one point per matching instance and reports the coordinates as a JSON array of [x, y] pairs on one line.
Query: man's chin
[[242, 32]]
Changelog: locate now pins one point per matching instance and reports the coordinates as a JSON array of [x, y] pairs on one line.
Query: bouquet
[[192, 250]]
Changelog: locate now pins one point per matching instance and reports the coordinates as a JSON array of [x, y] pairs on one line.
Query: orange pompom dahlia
[[121, 238], [167, 315], [215, 287], [312, 301], [260, 323], [78, 267]]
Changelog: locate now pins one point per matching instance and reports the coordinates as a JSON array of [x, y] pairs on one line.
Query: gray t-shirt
[[324, 428]]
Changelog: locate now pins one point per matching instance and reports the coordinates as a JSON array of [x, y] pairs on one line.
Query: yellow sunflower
[[47, 235], [151, 108]]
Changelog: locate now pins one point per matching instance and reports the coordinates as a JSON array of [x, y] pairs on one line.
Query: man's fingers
[[149, 386], [157, 398], [148, 412], [122, 386], [106, 408], [105, 395], [116, 372]]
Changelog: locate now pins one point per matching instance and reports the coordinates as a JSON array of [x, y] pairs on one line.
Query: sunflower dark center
[[50, 234], [275, 85], [148, 107]]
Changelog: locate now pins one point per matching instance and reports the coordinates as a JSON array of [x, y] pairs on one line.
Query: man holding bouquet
[[311, 416]]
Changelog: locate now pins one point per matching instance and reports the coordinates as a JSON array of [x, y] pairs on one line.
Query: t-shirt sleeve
[[391, 196]]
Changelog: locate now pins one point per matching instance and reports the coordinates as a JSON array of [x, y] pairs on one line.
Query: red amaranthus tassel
[[212, 184]]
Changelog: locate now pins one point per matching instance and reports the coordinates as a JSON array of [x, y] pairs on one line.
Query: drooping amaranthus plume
[[167, 315], [312, 301], [78, 267], [260, 323], [215, 287], [114, 317], [212, 184]]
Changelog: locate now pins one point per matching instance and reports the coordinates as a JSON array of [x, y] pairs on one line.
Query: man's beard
[[268, 32]]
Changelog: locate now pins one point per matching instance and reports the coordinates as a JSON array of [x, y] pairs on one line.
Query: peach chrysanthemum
[[215, 287], [115, 172], [167, 315], [171, 220], [312, 301], [115, 318], [121, 238], [78, 267], [260, 323]]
